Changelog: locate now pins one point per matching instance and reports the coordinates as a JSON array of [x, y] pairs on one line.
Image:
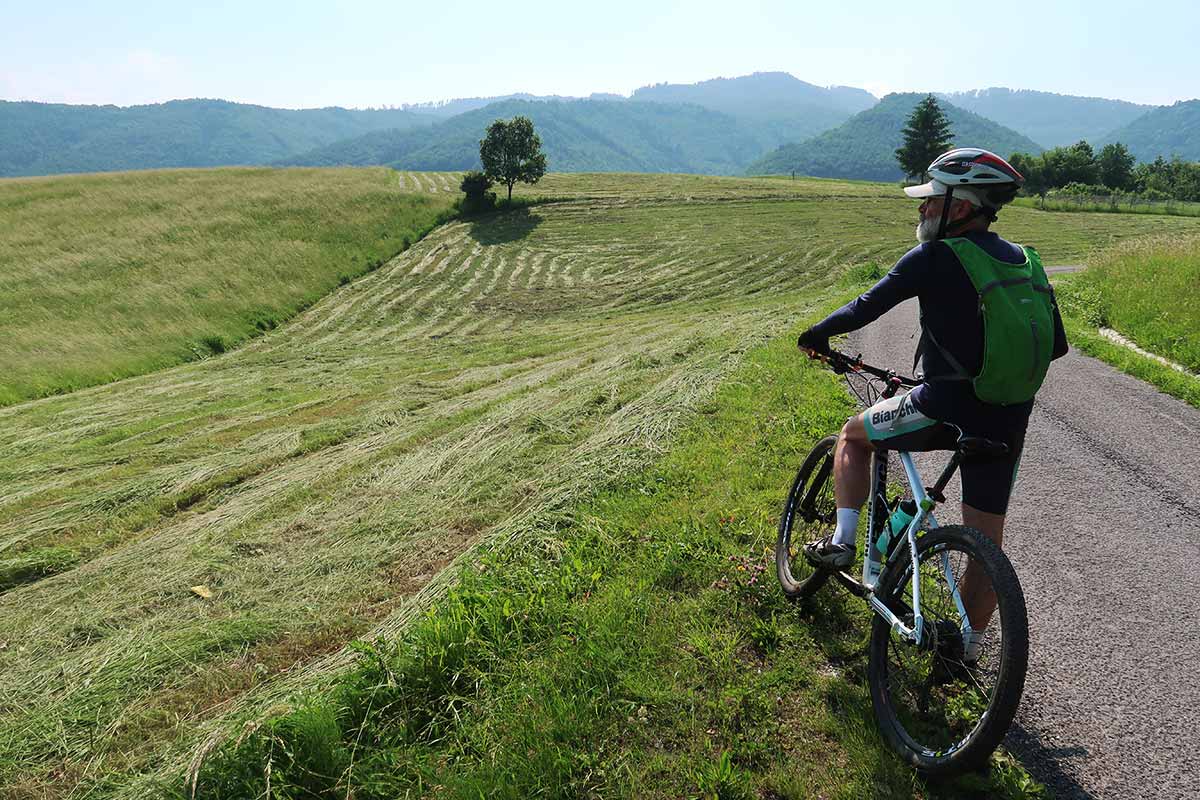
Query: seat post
[[937, 491]]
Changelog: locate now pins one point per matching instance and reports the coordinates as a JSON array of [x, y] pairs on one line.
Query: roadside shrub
[[475, 186]]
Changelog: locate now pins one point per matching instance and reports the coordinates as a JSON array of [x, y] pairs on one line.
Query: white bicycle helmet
[[973, 174]]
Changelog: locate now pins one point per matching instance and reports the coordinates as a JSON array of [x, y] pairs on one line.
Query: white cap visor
[[936, 188]]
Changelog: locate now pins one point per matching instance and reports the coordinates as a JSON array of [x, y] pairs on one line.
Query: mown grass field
[[472, 392], [112, 275]]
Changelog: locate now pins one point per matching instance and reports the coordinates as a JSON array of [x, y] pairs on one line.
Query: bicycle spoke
[[940, 699]]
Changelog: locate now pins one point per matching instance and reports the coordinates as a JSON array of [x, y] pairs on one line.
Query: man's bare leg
[[978, 597], [852, 465]]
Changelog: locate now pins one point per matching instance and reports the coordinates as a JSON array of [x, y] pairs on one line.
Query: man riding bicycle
[[982, 350]]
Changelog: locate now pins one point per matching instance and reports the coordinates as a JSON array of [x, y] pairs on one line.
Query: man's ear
[[961, 210]]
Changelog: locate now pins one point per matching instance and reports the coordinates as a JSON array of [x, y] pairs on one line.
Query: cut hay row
[[430, 182]]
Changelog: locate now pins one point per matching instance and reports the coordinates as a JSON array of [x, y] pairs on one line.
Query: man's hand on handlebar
[[816, 346]]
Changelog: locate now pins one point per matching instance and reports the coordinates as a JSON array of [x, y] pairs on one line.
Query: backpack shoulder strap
[[927, 339]]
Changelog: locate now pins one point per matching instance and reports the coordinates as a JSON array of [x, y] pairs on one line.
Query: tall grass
[[107, 276], [1149, 290]]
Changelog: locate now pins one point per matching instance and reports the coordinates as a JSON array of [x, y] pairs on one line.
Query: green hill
[[49, 138], [1052, 119], [1169, 131], [781, 107], [864, 146], [577, 136]]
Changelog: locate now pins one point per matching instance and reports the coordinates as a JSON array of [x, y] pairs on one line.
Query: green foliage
[[1115, 163], [511, 151], [927, 134], [1079, 166], [1177, 179], [475, 186], [864, 147], [1057, 167], [49, 138]]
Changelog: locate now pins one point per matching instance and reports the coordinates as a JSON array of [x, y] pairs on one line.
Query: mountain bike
[[941, 712]]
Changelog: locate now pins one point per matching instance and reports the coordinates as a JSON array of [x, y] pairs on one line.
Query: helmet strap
[[947, 201], [944, 224]]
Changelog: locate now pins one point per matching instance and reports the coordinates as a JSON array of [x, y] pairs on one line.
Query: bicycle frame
[[877, 516]]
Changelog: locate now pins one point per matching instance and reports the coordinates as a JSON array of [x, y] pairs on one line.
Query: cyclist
[[967, 187]]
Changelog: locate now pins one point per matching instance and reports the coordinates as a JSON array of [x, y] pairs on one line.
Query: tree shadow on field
[[502, 227]]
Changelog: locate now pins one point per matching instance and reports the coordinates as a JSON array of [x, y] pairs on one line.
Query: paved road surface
[[1104, 532]]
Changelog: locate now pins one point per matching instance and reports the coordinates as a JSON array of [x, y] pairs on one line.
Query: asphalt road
[[1104, 532]]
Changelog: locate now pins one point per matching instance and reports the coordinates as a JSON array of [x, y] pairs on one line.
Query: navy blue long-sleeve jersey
[[949, 309]]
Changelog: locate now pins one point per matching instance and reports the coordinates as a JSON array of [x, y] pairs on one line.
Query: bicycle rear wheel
[[941, 713], [810, 512]]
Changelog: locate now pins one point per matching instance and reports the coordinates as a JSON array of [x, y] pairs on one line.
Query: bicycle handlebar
[[842, 363]]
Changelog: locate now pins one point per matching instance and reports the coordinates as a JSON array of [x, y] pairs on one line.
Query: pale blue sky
[[309, 53]]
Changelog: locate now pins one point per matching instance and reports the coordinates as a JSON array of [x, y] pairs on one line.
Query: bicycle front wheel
[[809, 512], [942, 710]]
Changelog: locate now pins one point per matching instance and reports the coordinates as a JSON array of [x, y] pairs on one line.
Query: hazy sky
[[306, 53]]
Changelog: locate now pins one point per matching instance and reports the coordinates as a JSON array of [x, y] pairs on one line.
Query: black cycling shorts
[[987, 482]]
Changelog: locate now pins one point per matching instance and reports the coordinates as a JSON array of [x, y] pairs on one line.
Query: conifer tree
[[926, 136]]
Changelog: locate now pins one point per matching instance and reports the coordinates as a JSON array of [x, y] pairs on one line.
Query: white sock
[[847, 526], [973, 644]]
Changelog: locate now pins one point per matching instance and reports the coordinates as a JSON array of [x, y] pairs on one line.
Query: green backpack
[[1017, 307]]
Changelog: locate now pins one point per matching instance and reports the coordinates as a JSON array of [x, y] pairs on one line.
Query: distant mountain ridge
[[864, 147], [1053, 120], [1167, 131], [783, 107], [771, 120], [577, 136], [50, 138]]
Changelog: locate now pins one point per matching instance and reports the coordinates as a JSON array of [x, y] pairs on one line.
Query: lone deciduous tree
[[1116, 166], [512, 152], [926, 136]]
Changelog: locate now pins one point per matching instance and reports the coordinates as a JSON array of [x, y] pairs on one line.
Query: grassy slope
[[107, 276], [320, 479], [643, 650]]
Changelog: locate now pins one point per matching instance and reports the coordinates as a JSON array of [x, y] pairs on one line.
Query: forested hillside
[[782, 107], [577, 136], [1051, 120], [1170, 131], [864, 146], [49, 138]]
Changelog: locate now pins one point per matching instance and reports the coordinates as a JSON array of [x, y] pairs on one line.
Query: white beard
[[927, 229]]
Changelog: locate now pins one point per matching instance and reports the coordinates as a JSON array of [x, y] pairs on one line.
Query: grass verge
[[1080, 317], [642, 650]]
